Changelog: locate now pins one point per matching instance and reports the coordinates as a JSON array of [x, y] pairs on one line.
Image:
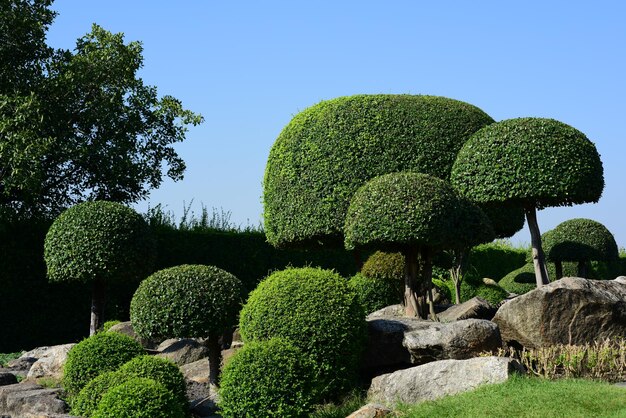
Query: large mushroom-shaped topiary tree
[[188, 301], [415, 214], [579, 240], [531, 163], [329, 150], [98, 242]]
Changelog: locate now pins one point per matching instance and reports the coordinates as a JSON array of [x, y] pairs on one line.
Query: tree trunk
[[97, 305], [539, 259], [414, 294], [558, 267], [582, 269], [457, 272], [427, 282], [215, 358]]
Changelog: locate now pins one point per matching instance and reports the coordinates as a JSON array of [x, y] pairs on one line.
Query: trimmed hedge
[[522, 280], [270, 378], [529, 162], [382, 265], [376, 293], [579, 240], [331, 149], [86, 402], [494, 261], [316, 310]]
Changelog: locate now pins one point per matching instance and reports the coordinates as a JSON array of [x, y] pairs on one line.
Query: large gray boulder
[[182, 351], [440, 378], [50, 362], [475, 308], [29, 399], [568, 311]]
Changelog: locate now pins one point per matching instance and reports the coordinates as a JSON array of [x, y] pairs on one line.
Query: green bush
[[139, 398], [493, 294], [443, 286], [331, 149], [162, 370], [382, 265], [270, 378], [108, 324], [86, 402], [494, 260], [579, 240], [97, 354], [185, 301], [318, 311], [376, 293], [522, 280]]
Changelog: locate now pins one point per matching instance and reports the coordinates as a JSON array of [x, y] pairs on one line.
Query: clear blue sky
[[248, 67]]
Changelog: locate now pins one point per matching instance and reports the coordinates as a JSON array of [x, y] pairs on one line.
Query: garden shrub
[[495, 260], [579, 240], [139, 398], [270, 378], [384, 265], [493, 294], [522, 280], [443, 286], [376, 293], [329, 150], [318, 311], [86, 402], [108, 324], [97, 354]]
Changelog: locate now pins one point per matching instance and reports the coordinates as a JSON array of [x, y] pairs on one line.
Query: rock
[[621, 279], [621, 384], [431, 341], [440, 378], [182, 351], [475, 308], [387, 312], [50, 362], [126, 328], [203, 398], [489, 282], [22, 364], [29, 399], [7, 378], [371, 410], [198, 371], [35, 353], [568, 311]]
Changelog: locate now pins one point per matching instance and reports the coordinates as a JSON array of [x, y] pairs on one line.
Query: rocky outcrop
[[50, 362], [475, 308], [438, 379], [182, 351], [30, 400], [568, 311], [371, 410]]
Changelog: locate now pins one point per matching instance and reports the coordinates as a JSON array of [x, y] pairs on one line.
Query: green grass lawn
[[528, 397]]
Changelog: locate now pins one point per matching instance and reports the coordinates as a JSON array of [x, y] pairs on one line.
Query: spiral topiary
[[376, 293], [329, 150], [319, 313], [187, 301], [270, 378], [139, 398], [97, 354]]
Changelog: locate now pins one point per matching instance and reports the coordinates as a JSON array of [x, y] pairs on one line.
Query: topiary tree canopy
[[579, 240], [531, 163], [415, 214], [188, 301], [331, 149], [99, 242]]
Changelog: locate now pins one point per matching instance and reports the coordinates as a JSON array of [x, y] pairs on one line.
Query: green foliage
[[493, 294], [376, 293], [579, 240], [443, 286], [522, 280], [97, 354], [7, 357], [529, 162], [270, 378], [331, 149], [185, 301], [400, 209], [495, 260], [506, 221], [86, 402], [349, 404], [139, 398], [382, 265], [98, 240], [318, 311], [108, 324]]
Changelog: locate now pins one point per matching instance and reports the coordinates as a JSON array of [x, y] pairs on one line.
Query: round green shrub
[[529, 162], [162, 370], [97, 354], [270, 378], [318, 311], [139, 398], [376, 293], [108, 324], [86, 402], [185, 301], [103, 240], [384, 265], [579, 240], [522, 280], [331, 149]]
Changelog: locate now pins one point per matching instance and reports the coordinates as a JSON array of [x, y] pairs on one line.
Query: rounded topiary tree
[[522, 280], [415, 214], [375, 293], [579, 240], [98, 242], [102, 352], [531, 163], [319, 313], [139, 397], [188, 301], [268, 378], [329, 150], [384, 265]]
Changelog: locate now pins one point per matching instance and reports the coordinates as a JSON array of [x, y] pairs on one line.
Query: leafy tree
[[531, 163], [98, 242], [79, 125], [418, 215]]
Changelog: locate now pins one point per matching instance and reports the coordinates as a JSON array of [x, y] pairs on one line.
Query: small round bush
[[108, 324], [493, 294], [579, 240], [139, 398], [522, 280], [97, 354], [383, 265], [162, 370], [185, 301], [86, 402], [318, 311], [270, 378], [376, 293]]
